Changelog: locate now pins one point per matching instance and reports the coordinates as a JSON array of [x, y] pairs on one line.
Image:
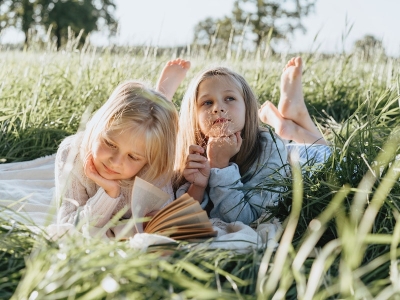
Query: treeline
[[58, 19], [252, 26]]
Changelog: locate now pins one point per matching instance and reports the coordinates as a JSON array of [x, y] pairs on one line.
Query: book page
[[189, 236], [198, 217], [188, 209], [204, 225], [173, 231], [146, 197], [172, 211]]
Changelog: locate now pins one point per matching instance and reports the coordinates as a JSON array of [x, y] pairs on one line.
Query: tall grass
[[341, 232]]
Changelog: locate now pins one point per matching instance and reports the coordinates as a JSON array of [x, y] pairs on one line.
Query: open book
[[181, 219]]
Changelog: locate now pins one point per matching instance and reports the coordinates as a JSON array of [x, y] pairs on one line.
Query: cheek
[[95, 148], [135, 168], [203, 129], [98, 150], [243, 118], [204, 121], [241, 113]]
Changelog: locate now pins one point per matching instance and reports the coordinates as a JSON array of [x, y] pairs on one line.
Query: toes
[[294, 62], [298, 61], [173, 62], [186, 64]]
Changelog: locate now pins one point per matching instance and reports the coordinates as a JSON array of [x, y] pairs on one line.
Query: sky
[[171, 23]]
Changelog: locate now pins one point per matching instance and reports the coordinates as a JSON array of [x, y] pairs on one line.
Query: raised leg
[[171, 77], [286, 128], [291, 104]]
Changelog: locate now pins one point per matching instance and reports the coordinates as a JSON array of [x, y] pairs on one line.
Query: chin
[[220, 132], [108, 176]]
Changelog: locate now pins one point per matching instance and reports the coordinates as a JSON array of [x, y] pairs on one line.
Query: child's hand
[[197, 170], [221, 149], [112, 187]]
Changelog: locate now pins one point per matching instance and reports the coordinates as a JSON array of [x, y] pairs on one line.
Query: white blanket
[[26, 191], [27, 195]]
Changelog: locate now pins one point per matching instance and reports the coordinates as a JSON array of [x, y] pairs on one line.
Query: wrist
[[219, 164], [113, 193], [196, 192], [198, 186]]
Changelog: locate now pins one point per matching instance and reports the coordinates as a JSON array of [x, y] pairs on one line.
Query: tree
[[19, 14], [259, 17], [84, 14], [211, 31], [368, 45], [89, 15]]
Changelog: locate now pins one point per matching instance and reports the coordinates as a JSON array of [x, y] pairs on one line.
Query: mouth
[[109, 170], [220, 120]]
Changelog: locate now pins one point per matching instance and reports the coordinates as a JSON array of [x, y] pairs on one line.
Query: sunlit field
[[341, 237]]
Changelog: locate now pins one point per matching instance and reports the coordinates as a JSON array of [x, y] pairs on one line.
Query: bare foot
[[286, 128], [171, 77], [291, 104], [270, 115]]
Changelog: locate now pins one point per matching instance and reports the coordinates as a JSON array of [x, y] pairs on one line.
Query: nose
[[218, 108], [116, 160]]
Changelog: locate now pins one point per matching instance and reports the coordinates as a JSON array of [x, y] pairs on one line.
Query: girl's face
[[220, 107], [117, 157]]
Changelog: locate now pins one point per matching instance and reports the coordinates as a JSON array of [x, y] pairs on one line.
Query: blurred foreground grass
[[345, 213]]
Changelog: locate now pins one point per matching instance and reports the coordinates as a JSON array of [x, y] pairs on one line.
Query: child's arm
[[237, 200], [112, 187], [197, 172], [81, 198], [221, 149]]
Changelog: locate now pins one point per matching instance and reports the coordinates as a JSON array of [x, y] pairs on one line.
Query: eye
[[230, 98], [109, 144], [206, 103], [134, 158]]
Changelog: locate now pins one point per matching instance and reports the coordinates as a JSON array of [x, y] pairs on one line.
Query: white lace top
[[81, 198]]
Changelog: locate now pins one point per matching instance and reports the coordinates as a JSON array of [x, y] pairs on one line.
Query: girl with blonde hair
[[132, 134]]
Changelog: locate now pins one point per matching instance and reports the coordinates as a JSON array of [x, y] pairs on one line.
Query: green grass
[[347, 210]]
